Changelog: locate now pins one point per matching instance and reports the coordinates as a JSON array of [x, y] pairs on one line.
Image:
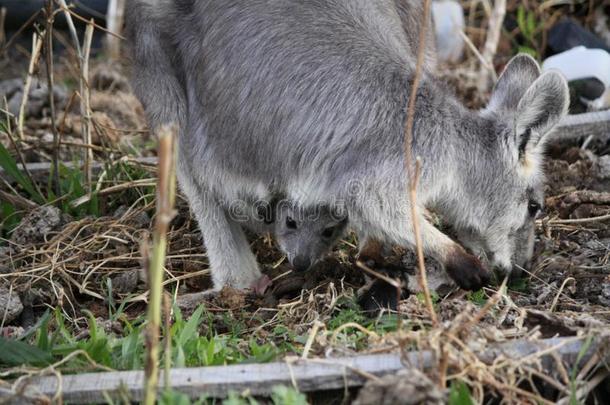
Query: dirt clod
[[38, 225], [403, 388], [10, 305]]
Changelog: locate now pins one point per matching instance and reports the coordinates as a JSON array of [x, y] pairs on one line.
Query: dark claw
[[467, 271]]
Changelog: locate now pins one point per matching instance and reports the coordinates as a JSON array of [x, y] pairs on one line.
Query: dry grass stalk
[[82, 51], [496, 21], [85, 104], [166, 192], [414, 169], [116, 10], [50, 83], [167, 360], [2, 22], [36, 49]]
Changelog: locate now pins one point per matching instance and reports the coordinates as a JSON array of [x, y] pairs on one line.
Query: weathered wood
[[576, 126], [308, 375]]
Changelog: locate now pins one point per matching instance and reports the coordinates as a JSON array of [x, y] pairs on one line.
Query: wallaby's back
[[156, 71]]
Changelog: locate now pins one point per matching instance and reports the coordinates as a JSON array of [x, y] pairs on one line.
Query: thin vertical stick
[[496, 20], [114, 18], [71, 28], [167, 309], [166, 192], [36, 48], [85, 102], [50, 84], [83, 65], [413, 171], [2, 22]]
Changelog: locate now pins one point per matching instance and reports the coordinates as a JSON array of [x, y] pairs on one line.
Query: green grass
[[71, 188], [530, 28], [477, 297], [52, 340], [459, 394]]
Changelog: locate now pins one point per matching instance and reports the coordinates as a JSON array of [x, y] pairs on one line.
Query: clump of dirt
[[39, 225], [407, 387], [10, 305]]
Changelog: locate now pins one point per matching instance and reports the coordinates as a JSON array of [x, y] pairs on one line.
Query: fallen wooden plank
[[308, 375], [576, 126]]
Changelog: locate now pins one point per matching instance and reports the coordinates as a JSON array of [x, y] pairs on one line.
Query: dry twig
[[413, 170], [496, 20]]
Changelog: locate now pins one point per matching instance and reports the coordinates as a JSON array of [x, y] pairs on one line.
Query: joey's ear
[[542, 106], [518, 75]]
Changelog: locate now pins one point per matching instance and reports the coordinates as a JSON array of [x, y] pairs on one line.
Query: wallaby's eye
[[328, 232], [533, 208], [291, 223]]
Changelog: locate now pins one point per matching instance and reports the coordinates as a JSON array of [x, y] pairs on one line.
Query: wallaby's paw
[[260, 286], [467, 270]]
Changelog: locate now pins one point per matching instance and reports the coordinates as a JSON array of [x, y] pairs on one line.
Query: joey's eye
[[291, 223], [533, 208], [328, 232]]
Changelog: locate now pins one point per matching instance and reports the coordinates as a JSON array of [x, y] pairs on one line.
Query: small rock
[[38, 99], [138, 219], [106, 78], [409, 386], [125, 282], [10, 305], [5, 265], [603, 167], [38, 225], [604, 297]]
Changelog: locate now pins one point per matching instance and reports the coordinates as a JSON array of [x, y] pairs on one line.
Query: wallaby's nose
[[301, 263]]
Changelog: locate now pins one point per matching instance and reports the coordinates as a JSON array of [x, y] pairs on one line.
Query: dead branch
[[316, 375], [414, 169], [496, 20], [36, 48], [114, 18], [51, 83]]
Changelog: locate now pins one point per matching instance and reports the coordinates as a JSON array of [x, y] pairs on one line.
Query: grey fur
[[308, 99]]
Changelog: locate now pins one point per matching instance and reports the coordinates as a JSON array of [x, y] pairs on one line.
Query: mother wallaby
[[308, 98]]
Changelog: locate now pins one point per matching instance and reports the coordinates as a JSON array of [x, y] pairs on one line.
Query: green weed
[[459, 394]]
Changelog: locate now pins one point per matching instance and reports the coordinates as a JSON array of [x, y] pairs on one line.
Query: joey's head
[[306, 234], [524, 108]]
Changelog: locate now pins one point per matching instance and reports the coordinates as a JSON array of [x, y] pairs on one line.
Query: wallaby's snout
[[301, 263]]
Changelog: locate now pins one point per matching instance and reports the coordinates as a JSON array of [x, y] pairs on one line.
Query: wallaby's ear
[[542, 106], [518, 75]]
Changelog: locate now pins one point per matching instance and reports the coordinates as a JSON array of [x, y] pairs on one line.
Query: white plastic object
[[581, 63], [448, 17]]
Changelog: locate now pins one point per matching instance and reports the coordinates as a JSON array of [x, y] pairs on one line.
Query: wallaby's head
[[524, 107], [306, 234]]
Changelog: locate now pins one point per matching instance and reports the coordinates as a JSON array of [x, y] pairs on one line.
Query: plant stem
[[414, 170], [166, 191]]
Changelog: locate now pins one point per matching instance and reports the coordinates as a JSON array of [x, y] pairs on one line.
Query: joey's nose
[[301, 263]]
